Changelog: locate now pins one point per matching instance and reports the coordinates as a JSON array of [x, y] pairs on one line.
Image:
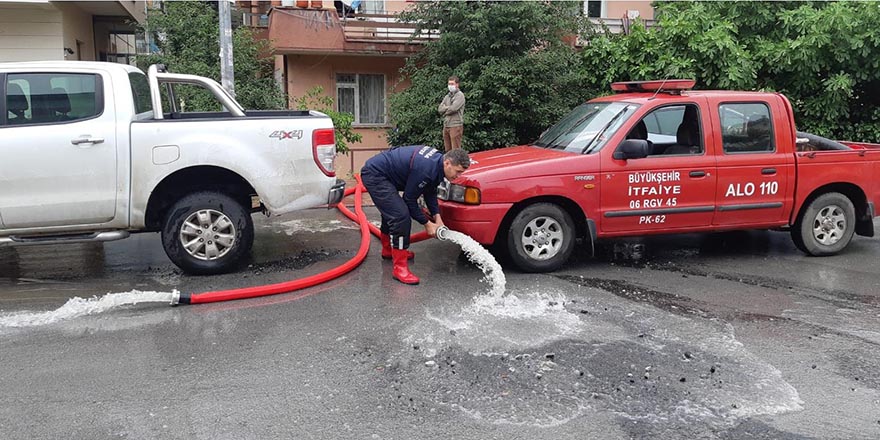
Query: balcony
[[323, 31], [618, 25], [382, 28]]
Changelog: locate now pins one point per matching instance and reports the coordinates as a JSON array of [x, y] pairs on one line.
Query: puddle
[[291, 227], [541, 359]]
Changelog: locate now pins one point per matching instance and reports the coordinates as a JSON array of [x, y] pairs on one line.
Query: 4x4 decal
[[281, 134]]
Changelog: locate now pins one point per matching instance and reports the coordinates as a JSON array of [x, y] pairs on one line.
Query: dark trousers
[[396, 221]]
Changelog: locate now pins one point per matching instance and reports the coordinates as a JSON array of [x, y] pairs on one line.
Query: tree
[[516, 71], [823, 55], [188, 42], [315, 99]]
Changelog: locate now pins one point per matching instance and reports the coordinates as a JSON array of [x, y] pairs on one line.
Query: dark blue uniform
[[417, 171]]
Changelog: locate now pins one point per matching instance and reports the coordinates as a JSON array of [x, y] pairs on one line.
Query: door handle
[[697, 173], [86, 140], [768, 171]]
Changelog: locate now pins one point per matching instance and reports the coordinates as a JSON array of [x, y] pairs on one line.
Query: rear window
[[140, 92], [746, 128]]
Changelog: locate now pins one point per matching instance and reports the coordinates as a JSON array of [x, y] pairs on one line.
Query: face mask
[[452, 89]]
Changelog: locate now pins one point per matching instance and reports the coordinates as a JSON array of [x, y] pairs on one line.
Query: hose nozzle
[[441, 233]]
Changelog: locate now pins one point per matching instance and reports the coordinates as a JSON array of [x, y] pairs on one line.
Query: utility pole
[[227, 75]]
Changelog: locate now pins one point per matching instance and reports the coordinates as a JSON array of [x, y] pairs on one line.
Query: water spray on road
[[495, 321], [77, 306], [498, 301], [479, 256]]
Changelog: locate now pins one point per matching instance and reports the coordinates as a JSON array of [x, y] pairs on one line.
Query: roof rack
[[671, 86]]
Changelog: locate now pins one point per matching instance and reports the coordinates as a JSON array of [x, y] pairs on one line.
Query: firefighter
[[417, 171]]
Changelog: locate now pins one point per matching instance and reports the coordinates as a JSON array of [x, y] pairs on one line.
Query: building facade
[[37, 30]]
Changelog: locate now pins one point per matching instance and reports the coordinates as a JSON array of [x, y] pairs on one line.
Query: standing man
[[417, 171], [452, 110]]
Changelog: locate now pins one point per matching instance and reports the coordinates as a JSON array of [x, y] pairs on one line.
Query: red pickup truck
[[657, 158]]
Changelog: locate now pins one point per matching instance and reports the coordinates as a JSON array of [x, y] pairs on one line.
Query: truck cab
[[657, 157]]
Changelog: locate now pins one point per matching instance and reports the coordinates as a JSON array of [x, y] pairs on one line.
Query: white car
[[87, 153]]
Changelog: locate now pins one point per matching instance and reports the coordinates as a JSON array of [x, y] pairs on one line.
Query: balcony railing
[[614, 26], [383, 28], [619, 25]]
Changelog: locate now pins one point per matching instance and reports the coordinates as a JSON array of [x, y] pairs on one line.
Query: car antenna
[[659, 88]]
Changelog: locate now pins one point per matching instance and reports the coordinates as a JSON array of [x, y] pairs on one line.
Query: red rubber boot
[[401, 267], [386, 248]]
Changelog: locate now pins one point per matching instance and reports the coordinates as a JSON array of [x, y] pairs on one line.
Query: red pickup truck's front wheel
[[826, 226], [541, 238], [207, 233]]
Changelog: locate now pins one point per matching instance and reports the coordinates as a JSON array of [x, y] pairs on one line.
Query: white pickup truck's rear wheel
[[207, 233], [541, 238], [826, 226]]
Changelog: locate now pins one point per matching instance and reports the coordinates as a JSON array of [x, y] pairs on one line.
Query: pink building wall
[[618, 9], [304, 72], [396, 5]]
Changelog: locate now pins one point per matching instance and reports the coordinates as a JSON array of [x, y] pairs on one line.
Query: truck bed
[[861, 145]]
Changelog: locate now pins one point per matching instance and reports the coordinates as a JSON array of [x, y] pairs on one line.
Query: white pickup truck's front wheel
[[207, 233]]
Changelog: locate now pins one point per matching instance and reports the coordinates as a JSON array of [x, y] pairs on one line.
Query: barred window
[[362, 95]]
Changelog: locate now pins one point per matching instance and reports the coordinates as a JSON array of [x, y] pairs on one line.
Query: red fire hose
[[414, 238], [293, 285]]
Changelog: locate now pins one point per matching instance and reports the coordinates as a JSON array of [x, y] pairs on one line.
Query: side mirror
[[632, 149]]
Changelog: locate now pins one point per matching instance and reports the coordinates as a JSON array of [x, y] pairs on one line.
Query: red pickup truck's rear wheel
[[541, 238], [826, 226], [207, 233]]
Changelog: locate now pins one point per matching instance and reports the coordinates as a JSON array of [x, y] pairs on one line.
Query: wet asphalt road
[[701, 336]]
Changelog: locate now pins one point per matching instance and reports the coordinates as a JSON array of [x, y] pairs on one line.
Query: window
[[363, 96], [672, 130], [665, 121], [140, 92], [122, 47], [593, 8], [746, 128], [38, 98], [372, 7]]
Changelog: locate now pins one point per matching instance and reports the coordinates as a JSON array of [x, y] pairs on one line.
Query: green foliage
[[519, 78], [189, 43], [823, 55], [516, 73], [315, 99]]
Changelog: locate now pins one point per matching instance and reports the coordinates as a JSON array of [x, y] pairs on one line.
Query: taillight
[[324, 150]]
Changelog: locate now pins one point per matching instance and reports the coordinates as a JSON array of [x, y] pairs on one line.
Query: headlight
[[462, 194]]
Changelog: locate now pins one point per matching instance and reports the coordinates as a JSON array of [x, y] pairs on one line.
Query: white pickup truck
[[87, 153]]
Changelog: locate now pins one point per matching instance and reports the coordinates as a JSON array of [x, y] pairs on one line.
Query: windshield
[[587, 128]]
